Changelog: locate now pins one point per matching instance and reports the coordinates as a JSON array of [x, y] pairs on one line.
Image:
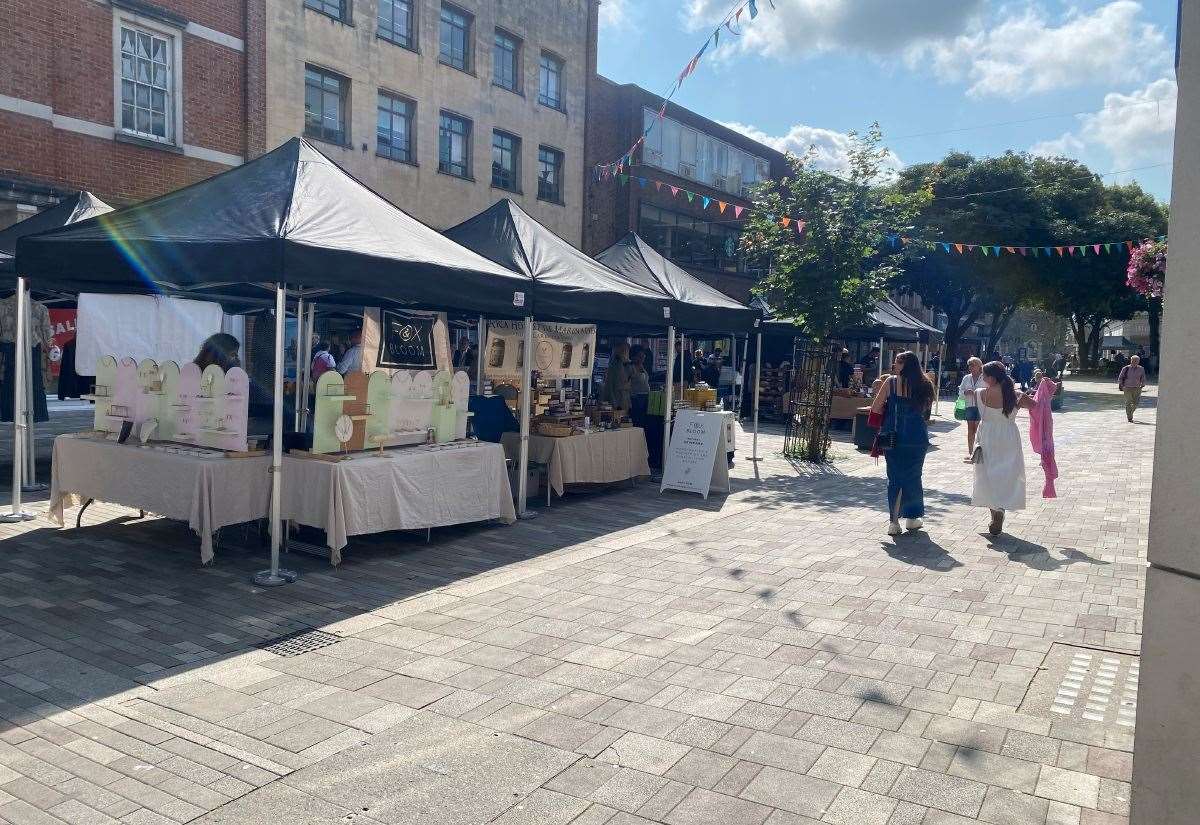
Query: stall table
[[207, 493], [598, 457], [412, 488]]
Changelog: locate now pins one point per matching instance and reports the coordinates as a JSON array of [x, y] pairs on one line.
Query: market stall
[[563, 285], [26, 370], [290, 224], [596, 457], [696, 308]]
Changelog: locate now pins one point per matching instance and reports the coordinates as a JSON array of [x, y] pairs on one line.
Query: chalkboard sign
[[406, 341], [696, 461]]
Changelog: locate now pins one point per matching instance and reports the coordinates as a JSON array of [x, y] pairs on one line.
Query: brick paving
[[771, 657]]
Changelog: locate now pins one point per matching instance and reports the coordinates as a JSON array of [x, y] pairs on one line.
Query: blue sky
[[810, 70]]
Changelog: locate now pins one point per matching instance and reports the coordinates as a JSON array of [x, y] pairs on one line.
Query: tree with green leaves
[[982, 201], [830, 276]]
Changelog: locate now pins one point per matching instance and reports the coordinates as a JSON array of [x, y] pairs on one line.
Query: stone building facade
[[443, 108], [684, 150], [126, 98]]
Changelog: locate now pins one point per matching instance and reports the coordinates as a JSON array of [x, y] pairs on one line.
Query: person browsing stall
[[221, 349], [616, 379], [352, 360]]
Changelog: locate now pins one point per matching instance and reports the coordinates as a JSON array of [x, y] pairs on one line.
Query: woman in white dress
[[999, 458]]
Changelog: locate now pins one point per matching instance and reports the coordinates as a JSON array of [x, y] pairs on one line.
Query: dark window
[[691, 241], [455, 39], [550, 163], [396, 22], [550, 81], [506, 161], [454, 146], [325, 105], [506, 61], [337, 9], [394, 128]]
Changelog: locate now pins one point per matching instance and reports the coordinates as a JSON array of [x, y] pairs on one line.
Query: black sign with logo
[[405, 341]]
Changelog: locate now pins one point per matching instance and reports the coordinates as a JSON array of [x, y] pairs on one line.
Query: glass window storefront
[[691, 241]]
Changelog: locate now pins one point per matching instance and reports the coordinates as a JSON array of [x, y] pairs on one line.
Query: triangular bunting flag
[[1048, 251], [674, 191], [971, 247], [737, 211], [753, 9], [1010, 250], [1129, 245], [800, 226], [707, 200], [1096, 248], [716, 38], [691, 196], [904, 240], [771, 218], [786, 222], [642, 182], [658, 185], [985, 249], [957, 248], [996, 251], [624, 179], [721, 206], [946, 246], [1059, 250], [1022, 250]]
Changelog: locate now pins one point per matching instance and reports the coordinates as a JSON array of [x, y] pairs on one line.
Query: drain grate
[[1086, 684], [304, 641]]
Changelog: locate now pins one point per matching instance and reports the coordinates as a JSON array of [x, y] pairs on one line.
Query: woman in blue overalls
[[903, 398]]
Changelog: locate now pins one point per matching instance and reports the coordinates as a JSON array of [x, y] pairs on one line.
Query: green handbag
[[960, 409]]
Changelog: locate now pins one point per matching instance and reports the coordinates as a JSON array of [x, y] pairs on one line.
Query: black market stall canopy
[[695, 306], [887, 321], [563, 283], [77, 207], [291, 216]]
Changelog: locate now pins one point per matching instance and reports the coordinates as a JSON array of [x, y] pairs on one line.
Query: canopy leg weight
[[265, 578], [13, 518]]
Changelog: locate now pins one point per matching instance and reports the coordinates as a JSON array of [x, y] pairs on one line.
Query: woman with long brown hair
[[999, 458], [903, 398]]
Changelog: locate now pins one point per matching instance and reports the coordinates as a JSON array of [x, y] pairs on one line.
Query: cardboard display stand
[[696, 461]]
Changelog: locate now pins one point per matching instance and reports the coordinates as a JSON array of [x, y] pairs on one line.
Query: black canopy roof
[[77, 207], [887, 321], [291, 216], [694, 304], [565, 284]]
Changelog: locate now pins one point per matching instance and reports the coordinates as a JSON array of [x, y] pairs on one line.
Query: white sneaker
[[893, 528], [912, 524]]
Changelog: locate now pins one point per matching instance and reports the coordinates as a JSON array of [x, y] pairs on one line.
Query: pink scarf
[[1041, 433]]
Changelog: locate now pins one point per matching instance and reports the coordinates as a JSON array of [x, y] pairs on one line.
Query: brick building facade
[[126, 98], [683, 150]]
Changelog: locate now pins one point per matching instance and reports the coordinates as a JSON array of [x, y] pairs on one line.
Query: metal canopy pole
[[299, 345], [881, 356], [525, 398], [275, 576], [18, 368], [308, 327], [757, 391], [937, 389], [481, 333], [31, 483], [668, 400]]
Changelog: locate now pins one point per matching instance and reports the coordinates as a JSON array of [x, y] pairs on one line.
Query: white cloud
[[614, 13], [1133, 128], [798, 28], [830, 148], [1029, 53]]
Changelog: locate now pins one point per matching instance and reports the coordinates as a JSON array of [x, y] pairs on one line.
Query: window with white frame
[[148, 93]]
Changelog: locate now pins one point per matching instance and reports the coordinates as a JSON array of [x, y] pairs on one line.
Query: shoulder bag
[[885, 439]]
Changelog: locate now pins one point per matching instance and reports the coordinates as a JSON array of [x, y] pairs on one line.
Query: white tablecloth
[[207, 493], [599, 457], [405, 489]]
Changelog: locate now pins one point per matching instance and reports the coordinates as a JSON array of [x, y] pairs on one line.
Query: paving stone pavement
[[770, 657]]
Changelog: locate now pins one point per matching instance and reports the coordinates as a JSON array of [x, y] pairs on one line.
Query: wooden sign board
[[696, 461]]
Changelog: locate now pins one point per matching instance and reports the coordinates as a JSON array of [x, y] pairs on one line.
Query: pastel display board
[[356, 406], [235, 412], [105, 394], [445, 414], [330, 397], [187, 422], [379, 407], [149, 399], [125, 394], [210, 405], [696, 461], [460, 389], [168, 410]]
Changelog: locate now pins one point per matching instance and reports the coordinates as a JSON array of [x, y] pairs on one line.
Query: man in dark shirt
[[845, 369]]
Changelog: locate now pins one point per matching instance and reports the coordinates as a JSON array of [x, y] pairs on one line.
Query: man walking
[[1131, 380]]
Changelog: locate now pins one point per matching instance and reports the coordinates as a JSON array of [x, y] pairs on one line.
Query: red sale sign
[[63, 322]]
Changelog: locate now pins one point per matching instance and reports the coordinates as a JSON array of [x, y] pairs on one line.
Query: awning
[[695, 305], [78, 207], [887, 320], [291, 216], [565, 284]]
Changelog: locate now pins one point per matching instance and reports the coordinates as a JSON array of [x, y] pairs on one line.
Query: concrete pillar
[[1166, 762]]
